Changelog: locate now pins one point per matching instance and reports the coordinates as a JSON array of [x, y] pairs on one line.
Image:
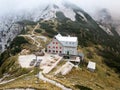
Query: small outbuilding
[[91, 66]]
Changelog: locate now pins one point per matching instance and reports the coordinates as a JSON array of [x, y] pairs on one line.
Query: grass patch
[[12, 67], [57, 67], [29, 81]]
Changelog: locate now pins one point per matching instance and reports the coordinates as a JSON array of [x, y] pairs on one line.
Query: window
[[49, 50], [53, 46], [60, 51], [56, 42], [56, 51], [49, 46], [60, 47], [56, 47], [72, 42], [53, 51], [53, 42]]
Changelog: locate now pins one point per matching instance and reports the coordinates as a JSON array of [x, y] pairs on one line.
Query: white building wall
[[70, 44], [71, 50], [54, 47], [70, 47], [66, 46]]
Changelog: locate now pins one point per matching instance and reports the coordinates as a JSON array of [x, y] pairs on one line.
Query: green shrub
[[38, 31], [4, 56], [6, 64], [15, 46], [111, 59], [27, 22], [82, 87], [48, 28]]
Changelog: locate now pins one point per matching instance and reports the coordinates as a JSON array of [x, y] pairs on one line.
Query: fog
[[90, 6]]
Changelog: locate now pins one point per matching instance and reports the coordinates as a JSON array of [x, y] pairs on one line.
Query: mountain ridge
[[97, 45], [104, 18]]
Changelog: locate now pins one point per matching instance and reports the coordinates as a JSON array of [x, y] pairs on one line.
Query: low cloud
[[90, 6]]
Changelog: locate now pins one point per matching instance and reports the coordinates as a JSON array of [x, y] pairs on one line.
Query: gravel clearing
[[47, 63], [24, 60]]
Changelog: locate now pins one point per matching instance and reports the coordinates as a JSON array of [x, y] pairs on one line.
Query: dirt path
[[53, 82], [31, 36], [35, 28], [4, 82]]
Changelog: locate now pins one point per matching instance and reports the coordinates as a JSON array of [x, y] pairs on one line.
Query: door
[[68, 52]]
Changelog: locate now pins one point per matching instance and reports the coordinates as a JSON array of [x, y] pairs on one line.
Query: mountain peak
[[49, 12]]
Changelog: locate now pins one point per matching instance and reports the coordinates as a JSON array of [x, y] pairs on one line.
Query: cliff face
[[8, 35]]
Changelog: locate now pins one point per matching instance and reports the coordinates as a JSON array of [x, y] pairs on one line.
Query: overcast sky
[[89, 6]]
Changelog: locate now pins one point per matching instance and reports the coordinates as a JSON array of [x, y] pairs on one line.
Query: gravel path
[[32, 34], [4, 82], [53, 82]]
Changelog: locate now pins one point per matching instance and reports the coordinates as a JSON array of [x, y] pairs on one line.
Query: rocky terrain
[[99, 42]]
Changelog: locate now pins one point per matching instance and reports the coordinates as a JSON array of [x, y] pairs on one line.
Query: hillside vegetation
[[97, 46], [88, 36]]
